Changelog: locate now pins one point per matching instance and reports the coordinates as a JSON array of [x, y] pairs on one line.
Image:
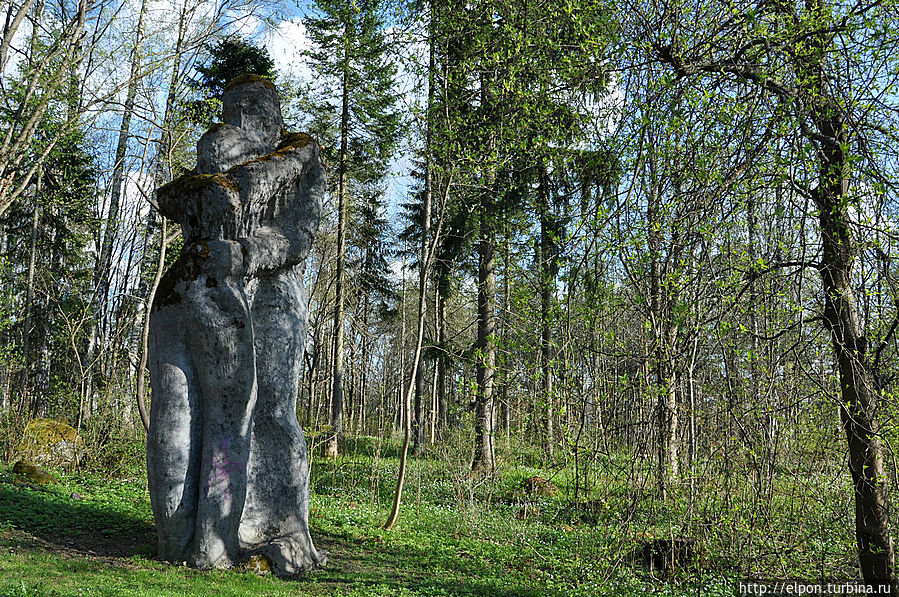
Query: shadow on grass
[[357, 563], [96, 529], [83, 527]]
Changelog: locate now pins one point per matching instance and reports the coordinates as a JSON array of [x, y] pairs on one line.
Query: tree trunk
[[104, 262], [363, 384], [332, 450], [29, 293], [546, 256], [666, 386], [310, 385], [433, 437], [407, 403], [484, 461], [145, 332], [858, 390], [419, 427], [506, 310], [442, 293]]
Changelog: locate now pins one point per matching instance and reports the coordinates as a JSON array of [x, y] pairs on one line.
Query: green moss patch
[[27, 471], [295, 141], [247, 80], [47, 441], [189, 183]]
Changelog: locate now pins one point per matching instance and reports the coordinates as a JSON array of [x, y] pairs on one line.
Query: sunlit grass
[[457, 535]]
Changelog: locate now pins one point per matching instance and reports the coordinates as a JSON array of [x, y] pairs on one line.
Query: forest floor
[[457, 535]]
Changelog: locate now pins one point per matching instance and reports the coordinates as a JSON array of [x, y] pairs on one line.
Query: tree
[[516, 97], [228, 58], [351, 55], [795, 58], [55, 226], [31, 97]]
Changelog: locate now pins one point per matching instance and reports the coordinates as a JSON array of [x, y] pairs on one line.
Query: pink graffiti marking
[[219, 479]]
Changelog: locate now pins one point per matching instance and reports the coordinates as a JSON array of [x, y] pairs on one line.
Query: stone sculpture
[[227, 461]]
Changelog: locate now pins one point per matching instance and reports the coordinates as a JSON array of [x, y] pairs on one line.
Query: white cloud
[[246, 25], [285, 44], [399, 272]]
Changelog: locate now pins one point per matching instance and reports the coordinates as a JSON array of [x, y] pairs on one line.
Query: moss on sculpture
[[247, 79], [287, 144], [294, 141], [189, 183]]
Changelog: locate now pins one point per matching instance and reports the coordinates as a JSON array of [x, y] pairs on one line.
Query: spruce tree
[[355, 84], [229, 57], [518, 83]]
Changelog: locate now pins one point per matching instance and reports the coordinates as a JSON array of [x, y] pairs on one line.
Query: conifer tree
[[515, 97], [355, 83], [229, 57]]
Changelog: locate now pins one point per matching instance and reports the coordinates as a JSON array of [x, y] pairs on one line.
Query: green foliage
[[55, 223], [351, 55], [104, 507], [228, 58], [231, 57], [368, 247]]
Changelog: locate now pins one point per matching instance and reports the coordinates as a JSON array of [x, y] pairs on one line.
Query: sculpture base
[[289, 556]]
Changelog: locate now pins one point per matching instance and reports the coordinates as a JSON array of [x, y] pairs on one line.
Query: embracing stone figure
[[226, 457]]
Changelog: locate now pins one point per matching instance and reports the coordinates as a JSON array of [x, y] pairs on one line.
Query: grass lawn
[[456, 536]]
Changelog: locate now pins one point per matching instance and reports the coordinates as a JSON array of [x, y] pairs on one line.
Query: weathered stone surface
[[227, 460]]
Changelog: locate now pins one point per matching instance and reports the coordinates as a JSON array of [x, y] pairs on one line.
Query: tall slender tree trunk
[[434, 410], [691, 425], [664, 388], [442, 358], [349, 377], [506, 410], [484, 453], [312, 372], [140, 383], [858, 390], [366, 357], [406, 402], [102, 271], [165, 171], [29, 400], [419, 427], [754, 372], [332, 449], [546, 255], [29, 294], [425, 258], [668, 421]]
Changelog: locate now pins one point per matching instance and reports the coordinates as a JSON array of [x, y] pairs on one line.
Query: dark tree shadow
[[358, 563], [48, 519]]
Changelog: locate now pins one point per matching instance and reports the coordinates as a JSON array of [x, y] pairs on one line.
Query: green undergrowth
[[457, 534]]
